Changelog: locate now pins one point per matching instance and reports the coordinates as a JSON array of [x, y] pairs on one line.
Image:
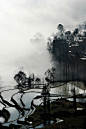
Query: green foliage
[[51, 106], [37, 108]]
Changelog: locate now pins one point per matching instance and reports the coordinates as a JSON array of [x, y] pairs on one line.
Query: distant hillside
[[68, 52]]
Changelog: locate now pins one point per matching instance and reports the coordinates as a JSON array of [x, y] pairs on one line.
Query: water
[[67, 89], [78, 99], [7, 94], [2, 119], [58, 120], [42, 125], [14, 114], [63, 91]]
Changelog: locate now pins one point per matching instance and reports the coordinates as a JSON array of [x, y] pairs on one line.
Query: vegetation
[[64, 110], [68, 50], [50, 75], [65, 36]]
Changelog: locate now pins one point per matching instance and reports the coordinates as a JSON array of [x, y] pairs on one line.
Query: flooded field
[[18, 105]]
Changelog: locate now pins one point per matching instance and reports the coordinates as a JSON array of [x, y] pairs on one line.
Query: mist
[[20, 21], [35, 60]]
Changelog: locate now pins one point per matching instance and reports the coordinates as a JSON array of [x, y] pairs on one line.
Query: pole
[[74, 99]]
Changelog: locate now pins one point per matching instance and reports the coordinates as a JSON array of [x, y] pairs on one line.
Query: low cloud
[[21, 20]]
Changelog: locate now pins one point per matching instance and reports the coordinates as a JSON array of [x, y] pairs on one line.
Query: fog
[[20, 21]]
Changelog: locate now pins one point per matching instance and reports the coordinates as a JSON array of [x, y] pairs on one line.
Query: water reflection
[[14, 114], [27, 98], [7, 94], [45, 124], [66, 89], [17, 97], [58, 120], [2, 119], [28, 95], [82, 100]]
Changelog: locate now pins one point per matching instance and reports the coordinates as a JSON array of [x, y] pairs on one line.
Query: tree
[[49, 44], [50, 74], [61, 28], [84, 33], [84, 25], [68, 34], [38, 80], [75, 33], [20, 78], [80, 36]]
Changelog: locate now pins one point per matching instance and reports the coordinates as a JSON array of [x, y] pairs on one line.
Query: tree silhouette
[[20, 78], [37, 80], [50, 74], [75, 33], [61, 28], [68, 34]]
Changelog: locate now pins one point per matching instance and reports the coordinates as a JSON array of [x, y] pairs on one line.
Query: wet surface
[[47, 123], [23, 103]]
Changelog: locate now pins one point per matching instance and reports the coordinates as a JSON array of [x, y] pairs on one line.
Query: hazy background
[[25, 26]]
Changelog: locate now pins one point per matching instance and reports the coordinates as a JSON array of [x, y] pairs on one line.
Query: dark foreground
[[64, 110]]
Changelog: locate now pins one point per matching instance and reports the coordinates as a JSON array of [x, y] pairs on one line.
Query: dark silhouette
[[68, 52]]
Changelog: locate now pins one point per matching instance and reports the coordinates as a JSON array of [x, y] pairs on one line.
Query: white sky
[[20, 20]]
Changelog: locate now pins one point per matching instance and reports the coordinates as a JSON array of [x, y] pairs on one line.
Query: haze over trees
[[68, 50]]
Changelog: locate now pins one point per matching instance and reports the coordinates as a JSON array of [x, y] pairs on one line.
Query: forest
[[68, 50]]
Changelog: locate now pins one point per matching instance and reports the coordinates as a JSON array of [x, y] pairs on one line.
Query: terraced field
[[17, 105]]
